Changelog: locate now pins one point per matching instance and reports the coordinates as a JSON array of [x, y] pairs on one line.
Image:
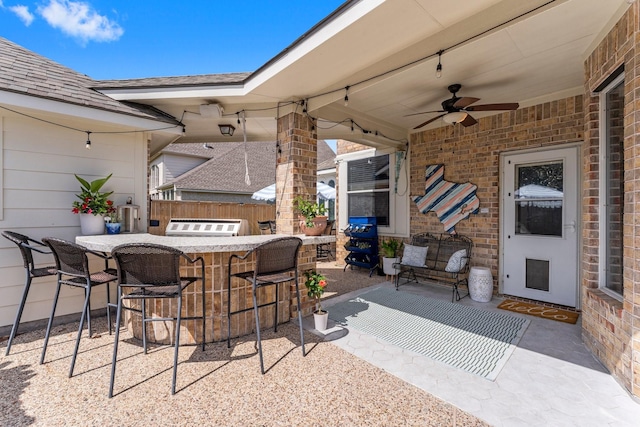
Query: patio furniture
[[151, 271], [267, 227], [26, 246], [72, 266], [323, 250], [274, 263], [443, 258]]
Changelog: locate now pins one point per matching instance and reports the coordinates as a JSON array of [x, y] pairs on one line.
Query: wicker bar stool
[[26, 246], [72, 266], [149, 271], [274, 263]]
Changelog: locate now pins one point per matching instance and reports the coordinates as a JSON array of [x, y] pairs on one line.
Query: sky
[[119, 39], [122, 39]]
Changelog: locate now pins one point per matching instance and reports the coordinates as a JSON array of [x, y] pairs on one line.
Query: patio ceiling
[[386, 52]]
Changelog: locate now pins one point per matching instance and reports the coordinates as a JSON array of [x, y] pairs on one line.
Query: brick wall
[[609, 326], [473, 155]]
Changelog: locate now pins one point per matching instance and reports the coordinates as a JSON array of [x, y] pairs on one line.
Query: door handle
[[572, 224]]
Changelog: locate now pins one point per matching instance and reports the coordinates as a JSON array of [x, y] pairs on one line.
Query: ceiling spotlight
[[226, 130], [455, 117], [211, 111]]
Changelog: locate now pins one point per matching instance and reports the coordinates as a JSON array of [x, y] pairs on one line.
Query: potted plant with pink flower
[[316, 284], [92, 205]]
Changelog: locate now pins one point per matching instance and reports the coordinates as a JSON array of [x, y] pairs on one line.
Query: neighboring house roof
[[25, 72], [225, 171], [196, 149], [196, 80], [326, 156]]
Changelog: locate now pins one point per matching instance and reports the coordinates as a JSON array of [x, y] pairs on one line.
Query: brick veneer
[[296, 175], [609, 325]]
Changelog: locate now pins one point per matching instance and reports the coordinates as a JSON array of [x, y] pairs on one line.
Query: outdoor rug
[[477, 341], [540, 311]]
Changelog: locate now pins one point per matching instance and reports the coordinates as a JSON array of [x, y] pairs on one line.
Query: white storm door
[[540, 225]]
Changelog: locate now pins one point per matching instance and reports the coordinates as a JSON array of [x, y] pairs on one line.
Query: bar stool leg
[[82, 318], [53, 312], [16, 323], [300, 318], [115, 346], [255, 309], [177, 344]]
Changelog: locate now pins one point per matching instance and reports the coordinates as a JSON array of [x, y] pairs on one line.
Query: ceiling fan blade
[[463, 102], [424, 112], [468, 121], [494, 107], [428, 121]]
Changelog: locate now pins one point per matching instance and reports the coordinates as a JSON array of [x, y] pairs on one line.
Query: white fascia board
[[177, 92], [82, 112], [313, 41]]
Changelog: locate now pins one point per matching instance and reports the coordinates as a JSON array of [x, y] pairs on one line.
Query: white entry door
[[540, 225]]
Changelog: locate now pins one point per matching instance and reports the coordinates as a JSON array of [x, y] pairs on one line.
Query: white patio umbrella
[[269, 193]]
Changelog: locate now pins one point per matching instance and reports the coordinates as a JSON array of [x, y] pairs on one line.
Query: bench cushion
[[457, 261], [414, 256]]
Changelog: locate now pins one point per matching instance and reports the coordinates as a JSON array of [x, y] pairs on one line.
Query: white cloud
[[78, 19], [23, 13]]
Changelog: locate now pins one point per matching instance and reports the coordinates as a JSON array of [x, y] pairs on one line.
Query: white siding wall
[[174, 166], [38, 188]]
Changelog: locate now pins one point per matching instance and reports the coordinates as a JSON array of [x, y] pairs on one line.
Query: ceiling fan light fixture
[[455, 117]]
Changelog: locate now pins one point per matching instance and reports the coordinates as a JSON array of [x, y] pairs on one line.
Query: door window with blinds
[[368, 188]]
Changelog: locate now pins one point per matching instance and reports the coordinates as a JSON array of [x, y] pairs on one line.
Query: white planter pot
[[387, 266], [320, 320], [91, 224]]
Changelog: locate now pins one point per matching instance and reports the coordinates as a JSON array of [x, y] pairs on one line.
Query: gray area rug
[[477, 341]]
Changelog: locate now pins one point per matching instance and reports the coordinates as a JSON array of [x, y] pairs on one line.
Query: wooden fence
[[163, 210]]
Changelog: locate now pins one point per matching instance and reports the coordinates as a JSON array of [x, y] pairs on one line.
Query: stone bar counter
[[215, 251]]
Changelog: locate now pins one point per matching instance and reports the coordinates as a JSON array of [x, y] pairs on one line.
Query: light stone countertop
[[190, 244]]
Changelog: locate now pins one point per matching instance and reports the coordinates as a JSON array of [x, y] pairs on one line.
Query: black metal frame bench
[[441, 247]]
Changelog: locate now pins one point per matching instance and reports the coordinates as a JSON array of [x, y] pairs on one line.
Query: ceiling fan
[[455, 109]]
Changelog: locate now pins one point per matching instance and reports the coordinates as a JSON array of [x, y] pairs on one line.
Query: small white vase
[[320, 320], [91, 224]]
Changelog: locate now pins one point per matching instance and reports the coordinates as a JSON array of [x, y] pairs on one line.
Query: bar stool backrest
[[277, 256], [147, 264], [23, 244], [71, 258]]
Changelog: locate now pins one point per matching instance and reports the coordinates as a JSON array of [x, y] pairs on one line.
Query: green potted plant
[[312, 219], [316, 284], [92, 205], [390, 255]]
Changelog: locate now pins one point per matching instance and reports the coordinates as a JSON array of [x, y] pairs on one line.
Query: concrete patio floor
[[549, 380]]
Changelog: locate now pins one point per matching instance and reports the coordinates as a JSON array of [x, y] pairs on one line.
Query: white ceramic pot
[[91, 224], [387, 266], [320, 320]]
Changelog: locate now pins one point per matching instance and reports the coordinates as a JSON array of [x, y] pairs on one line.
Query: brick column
[[296, 175]]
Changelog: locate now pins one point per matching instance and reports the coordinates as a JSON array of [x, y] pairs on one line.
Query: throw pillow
[[414, 255], [457, 261]]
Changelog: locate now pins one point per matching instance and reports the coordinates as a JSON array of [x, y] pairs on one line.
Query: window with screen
[[368, 188]]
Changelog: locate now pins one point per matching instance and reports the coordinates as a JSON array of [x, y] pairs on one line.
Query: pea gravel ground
[[217, 387]]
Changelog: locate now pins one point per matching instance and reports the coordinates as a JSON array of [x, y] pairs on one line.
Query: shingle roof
[[25, 72], [225, 171], [195, 80], [326, 156], [197, 149]]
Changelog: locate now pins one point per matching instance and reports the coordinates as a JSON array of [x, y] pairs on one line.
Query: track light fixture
[[439, 66]]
